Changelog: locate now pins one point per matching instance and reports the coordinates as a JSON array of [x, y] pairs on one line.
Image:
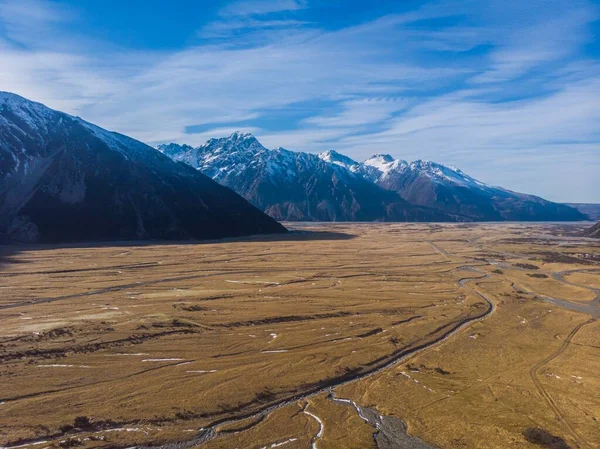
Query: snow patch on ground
[[281, 443], [163, 360]]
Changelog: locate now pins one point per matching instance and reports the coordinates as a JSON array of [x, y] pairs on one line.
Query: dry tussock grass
[[153, 342]]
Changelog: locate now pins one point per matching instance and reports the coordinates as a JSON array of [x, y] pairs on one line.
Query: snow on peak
[[10, 97], [36, 115], [443, 173], [238, 135], [379, 159], [230, 156], [382, 165], [334, 157], [236, 143]]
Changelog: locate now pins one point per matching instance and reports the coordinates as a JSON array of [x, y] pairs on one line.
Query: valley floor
[[334, 336]]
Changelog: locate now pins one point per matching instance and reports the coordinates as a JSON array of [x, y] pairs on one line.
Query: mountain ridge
[[421, 185], [294, 186]]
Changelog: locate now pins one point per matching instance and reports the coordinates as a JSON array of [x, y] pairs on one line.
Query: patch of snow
[[126, 354], [162, 360], [282, 443], [37, 443], [379, 166], [333, 157], [55, 365], [252, 282]]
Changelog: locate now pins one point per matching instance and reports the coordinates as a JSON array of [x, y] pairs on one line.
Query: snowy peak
[[445, 174], [226, 153], [35, 121], [235, 142], [35, 115], [334, 157], [383, 166], [8, 98], [379, 159], [379, 166]]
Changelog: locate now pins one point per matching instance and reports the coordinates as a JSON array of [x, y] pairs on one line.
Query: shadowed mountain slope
[[63, 179]]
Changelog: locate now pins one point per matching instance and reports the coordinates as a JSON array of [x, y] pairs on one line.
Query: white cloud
[[261, 7], [553, 39], [393, 84], [359, 112], [17, 13]]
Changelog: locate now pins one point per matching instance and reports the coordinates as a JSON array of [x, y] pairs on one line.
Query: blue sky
[[508, 91]]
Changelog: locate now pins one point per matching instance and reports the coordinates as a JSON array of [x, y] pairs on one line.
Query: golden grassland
[[245, 343]]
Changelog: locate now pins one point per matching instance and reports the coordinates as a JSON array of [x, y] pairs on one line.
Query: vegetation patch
[[545, 439], [527, 266]]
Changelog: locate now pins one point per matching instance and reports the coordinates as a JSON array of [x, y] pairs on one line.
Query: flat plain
[[333, 336]]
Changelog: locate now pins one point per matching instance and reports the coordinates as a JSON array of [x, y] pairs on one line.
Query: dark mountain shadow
[[8, 256], [8, 252]]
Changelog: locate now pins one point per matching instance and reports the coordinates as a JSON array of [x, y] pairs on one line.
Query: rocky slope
[[63, 179], [594, 231]]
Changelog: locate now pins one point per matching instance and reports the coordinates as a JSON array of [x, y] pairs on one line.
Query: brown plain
[[242, 343]]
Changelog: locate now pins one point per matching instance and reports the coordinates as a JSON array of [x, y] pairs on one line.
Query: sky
[[508, 91]]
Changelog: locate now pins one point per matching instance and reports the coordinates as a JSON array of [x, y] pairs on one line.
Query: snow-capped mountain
[[331, 186], [449, 189], [64, 179], [291, 185], [336, 158], [391, 171], [377, 167]]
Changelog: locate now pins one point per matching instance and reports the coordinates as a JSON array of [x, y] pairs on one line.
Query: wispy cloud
[[261, 7], [551, 40], [255, 31], [29, 22], [500, 89]]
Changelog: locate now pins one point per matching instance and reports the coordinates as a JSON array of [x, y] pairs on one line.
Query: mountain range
[[63, 179], [592, 210], [290, 185], [330, 186]]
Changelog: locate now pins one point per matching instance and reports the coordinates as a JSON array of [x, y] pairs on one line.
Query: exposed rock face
[[65, 180]]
